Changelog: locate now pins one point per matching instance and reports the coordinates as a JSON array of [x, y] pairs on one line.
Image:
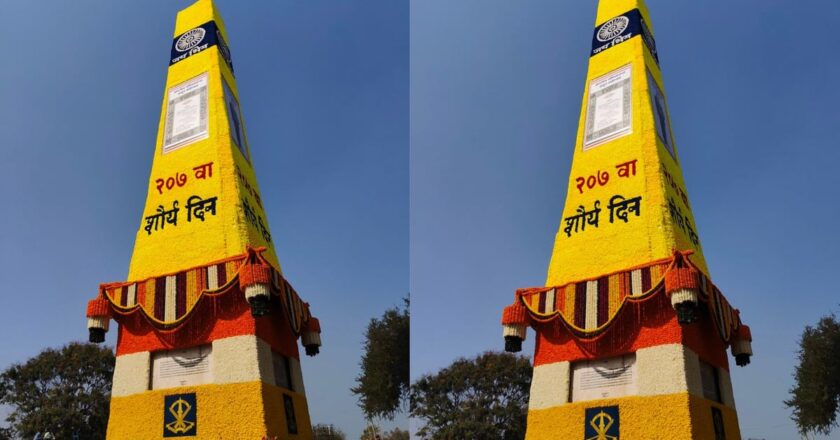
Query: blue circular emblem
[[189, 39], [612, 28]]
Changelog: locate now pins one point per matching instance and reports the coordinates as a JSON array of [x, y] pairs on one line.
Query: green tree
[[815, 396], [483, 397], [383, 385], [395, 434], [65, 391], [327, 432], [373, 432]]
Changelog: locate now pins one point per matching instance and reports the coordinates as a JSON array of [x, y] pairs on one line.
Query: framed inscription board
[[609, 111], [186, 114]]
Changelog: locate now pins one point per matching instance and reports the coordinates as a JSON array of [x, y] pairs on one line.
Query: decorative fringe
[[514, 335], [98, 315], [587, 308], [518, 331], [97, 327], [257, 296], [683, 295], [154, 297], [311, 337], [742, 346], [250, 273], [98, 307], [254, 273], [255, 281], [311, 342], [514, 326], [100, 322], [96, 335], [255, 290], [513, 344], [681, 278], [313, 325], [744, 332], [515, 314], [684, 301], [743, 353], [686, 312], [683, 286]]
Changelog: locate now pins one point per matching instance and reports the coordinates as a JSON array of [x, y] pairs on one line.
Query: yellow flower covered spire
[[631, 333]]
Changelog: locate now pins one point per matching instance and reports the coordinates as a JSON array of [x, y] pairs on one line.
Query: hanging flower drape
[[167, 301], [588, 307]]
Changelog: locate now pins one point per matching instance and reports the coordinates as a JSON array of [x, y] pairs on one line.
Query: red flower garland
[[681, 278], [313, 325], [98, 307], [515, 314], [254, 273]]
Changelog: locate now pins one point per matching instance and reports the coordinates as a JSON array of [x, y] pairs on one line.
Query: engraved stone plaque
[[600, 379], [175, 368]]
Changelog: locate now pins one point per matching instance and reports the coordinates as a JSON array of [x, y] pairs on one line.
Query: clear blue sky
[[324, 93], [496, 87]]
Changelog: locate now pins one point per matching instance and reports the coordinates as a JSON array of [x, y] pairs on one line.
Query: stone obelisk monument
[[208, 325], [631, 333]]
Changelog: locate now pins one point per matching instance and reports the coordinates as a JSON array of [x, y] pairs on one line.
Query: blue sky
[[496, 87], [324, 93], [495, 93]]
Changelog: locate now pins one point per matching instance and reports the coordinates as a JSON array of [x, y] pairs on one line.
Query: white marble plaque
[[176, 368], [604, 378], [609, 112], [186, 114]]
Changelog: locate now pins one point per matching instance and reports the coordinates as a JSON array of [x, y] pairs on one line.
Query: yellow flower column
[[208, 326], [631, 335]]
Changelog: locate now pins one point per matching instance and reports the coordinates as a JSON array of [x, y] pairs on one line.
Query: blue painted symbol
[[180, 415], [601, 423]]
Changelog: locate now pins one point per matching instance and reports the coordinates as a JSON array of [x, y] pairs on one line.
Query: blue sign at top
[[620, 29], [197, 40]]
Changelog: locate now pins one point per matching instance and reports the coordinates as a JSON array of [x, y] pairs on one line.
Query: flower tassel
[[514, 325], [681, 284], [311, 337], [98, 317], [742, 346], [255, 281]]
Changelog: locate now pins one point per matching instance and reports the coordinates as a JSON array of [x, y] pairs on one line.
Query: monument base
[[248, 410], [667, 417]]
